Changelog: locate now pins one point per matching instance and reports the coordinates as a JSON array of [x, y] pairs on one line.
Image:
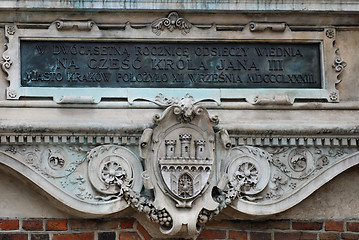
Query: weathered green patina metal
[[170, 65]]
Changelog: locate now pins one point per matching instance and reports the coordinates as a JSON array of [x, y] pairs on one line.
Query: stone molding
[[128, 140], [248, 5]]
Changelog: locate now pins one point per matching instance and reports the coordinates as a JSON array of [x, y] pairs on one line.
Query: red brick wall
[[129, 229]]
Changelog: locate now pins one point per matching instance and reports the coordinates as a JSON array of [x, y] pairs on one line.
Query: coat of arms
[[180, 164]]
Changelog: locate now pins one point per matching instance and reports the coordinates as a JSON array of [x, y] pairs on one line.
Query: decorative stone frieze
[[190, 169]]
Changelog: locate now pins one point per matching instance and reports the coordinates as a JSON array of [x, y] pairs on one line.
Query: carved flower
[[56, 160], [322, 161], [112, 173], [330, 33], [340, 152], [277, 180], [333, 96], [11, 93], [298, 162], [246, 176], [292, 185], [12, 150], [11, 30]]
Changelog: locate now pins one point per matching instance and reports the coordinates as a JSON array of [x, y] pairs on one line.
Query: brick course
[[353, 226], [127, 223], [212, 234], [9, 224], [74, 236], [130, 229], [334, 226], [9, 236], [329, 236], [42, 236], [270, 225], [349, 236], [107, 236], [56, 225], [295, 236], [307, 225], [32, 225], [260, 236], [129, 236], [235, 235]]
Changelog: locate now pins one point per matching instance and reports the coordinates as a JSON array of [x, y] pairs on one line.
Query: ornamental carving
[[185, 170], [56, 160], [246, 177], [180, 161], [112, 173], [182, 171], [339, 65], [171, 22]]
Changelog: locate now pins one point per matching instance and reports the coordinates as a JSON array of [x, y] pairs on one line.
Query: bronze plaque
[[79, 64]]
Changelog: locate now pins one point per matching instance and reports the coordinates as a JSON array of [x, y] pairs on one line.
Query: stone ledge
[[224, 5]]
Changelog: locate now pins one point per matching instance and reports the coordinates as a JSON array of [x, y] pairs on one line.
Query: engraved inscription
[[170, 65]]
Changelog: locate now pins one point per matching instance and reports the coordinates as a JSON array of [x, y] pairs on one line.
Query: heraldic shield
[[185, 163], [180, 165]]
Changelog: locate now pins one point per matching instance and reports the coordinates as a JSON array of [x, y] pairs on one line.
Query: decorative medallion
[[112, 168], [248, 170]]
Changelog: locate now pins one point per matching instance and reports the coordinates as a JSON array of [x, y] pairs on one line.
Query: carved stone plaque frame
[[173, 29]]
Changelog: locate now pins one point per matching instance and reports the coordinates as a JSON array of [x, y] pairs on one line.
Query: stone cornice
[[223, 5], [133, 140]]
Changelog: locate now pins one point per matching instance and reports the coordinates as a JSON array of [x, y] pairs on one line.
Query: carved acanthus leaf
[[171, 22], [163, 101]]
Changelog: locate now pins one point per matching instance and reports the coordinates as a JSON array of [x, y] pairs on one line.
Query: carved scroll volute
[[180, 165], [62, 25], [145, 141], [261, 26], [338, 64], [7, 60]]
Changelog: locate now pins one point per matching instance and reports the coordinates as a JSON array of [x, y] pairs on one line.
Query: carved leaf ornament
[[171, 22]]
